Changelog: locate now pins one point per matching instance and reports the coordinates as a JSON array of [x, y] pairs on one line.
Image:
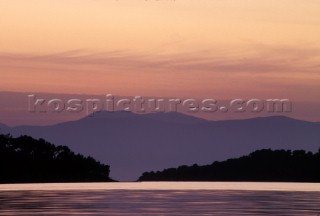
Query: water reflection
[[159, 202]]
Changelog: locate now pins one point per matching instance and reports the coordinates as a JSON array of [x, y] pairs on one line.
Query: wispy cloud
[[259, 59]]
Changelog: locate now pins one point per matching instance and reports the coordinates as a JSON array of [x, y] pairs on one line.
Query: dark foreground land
[[261, 165], [24, 160]]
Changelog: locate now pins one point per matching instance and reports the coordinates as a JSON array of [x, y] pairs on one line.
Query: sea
[[161, 198]]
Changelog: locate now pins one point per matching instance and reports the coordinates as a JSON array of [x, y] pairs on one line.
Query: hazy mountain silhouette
[[4, 128], [134, 143]]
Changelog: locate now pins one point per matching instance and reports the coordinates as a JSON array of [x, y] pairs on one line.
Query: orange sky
[[187, 48]]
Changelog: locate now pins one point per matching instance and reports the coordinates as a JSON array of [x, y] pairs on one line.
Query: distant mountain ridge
[[3, 126], [134, 143]]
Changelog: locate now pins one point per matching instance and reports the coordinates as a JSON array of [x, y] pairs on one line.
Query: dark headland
[[27, 160], [263, 165]]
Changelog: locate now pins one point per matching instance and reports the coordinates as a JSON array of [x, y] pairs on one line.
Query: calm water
[[161, 199]]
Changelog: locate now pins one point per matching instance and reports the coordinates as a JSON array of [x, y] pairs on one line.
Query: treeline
[[261, 165], [25, 159]]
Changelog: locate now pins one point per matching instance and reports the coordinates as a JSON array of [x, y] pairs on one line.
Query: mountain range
[[134, 143]]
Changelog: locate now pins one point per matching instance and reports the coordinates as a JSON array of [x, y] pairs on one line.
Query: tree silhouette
[[24, 159], [261, 165]]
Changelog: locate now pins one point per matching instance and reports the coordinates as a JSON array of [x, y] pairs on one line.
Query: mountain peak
[[134, 143], [3, 125], [160, 116]]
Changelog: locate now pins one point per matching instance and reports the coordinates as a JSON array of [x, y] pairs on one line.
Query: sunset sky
[[187, 48]]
